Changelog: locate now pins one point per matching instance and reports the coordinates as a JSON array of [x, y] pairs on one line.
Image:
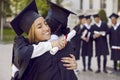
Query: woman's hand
[[60, 43], [69, 62]]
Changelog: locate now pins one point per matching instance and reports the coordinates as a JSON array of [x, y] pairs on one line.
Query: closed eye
[[39, 25]]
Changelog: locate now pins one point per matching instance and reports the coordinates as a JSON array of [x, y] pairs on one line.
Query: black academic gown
[[21, 54], [59, 68], [115, 41], [76, 42], [101, 46], [87, 47], [44, 67]]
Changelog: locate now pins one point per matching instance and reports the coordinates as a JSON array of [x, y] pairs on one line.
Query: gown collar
[[115, 26], [99, 24], [87, 26]]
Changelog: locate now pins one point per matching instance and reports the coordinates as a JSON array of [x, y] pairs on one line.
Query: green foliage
[[103, 16], [119, 64], [42, 7], [18, 5], [21, 4], [8, 35], [6, 8]]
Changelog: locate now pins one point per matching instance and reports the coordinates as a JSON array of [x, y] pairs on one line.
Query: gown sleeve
[[41, 48], [22, 53]]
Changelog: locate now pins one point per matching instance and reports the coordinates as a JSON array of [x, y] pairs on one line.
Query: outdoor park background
[[10, 8]]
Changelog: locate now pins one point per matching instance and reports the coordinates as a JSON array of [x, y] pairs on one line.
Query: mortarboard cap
[[88, 16], [24, 20], [81, 16], [113, 15], [57, 17], [96, 15]]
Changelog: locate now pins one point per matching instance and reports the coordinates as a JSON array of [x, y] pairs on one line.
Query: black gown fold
[[44, 67]]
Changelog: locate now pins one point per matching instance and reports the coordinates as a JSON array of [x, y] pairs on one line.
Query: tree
[[42, 7], [6, 11], [103, 16], [19, 5]]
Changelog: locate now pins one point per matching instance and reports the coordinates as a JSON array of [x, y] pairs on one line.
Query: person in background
[[100, 31], [34, 62], [87, 43], [115, 39], [76, 41]]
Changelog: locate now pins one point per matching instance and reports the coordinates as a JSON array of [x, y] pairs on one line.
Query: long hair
[[31, 34]]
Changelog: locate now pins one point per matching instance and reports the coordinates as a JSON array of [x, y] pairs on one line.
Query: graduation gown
[[21, 54], [76, 41], [87, 47], [101, 46], [58, 65], [44, 67], [115, 41]]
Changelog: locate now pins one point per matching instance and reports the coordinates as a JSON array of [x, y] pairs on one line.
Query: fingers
[[70, 66], [62, 42], [69, 62], [72, 56]]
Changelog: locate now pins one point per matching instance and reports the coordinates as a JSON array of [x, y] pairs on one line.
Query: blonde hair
[[31, 34]]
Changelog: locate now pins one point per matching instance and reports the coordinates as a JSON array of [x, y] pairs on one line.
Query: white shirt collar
[[115, 26], [87, 26], [99, 24]]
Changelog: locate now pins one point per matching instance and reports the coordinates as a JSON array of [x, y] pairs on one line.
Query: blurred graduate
[[115, 39], [87, 43], [100, 30], [32, 56]]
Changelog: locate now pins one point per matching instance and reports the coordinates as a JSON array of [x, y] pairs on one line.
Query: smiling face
[[39, 31]]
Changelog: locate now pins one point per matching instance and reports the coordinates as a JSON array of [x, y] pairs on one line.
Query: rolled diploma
[[88, 36], [69, 37], [84, 33]]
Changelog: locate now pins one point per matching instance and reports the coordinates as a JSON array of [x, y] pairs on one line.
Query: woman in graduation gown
[[38, 66], [115, 39], [87, 43], [100, 30]]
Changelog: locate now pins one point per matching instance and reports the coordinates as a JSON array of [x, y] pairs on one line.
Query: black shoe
[[90, 69], [105, 71], [98, 71], [84, 70]]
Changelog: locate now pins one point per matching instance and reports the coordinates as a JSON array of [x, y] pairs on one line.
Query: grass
[[119, 65], [8, 35]]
